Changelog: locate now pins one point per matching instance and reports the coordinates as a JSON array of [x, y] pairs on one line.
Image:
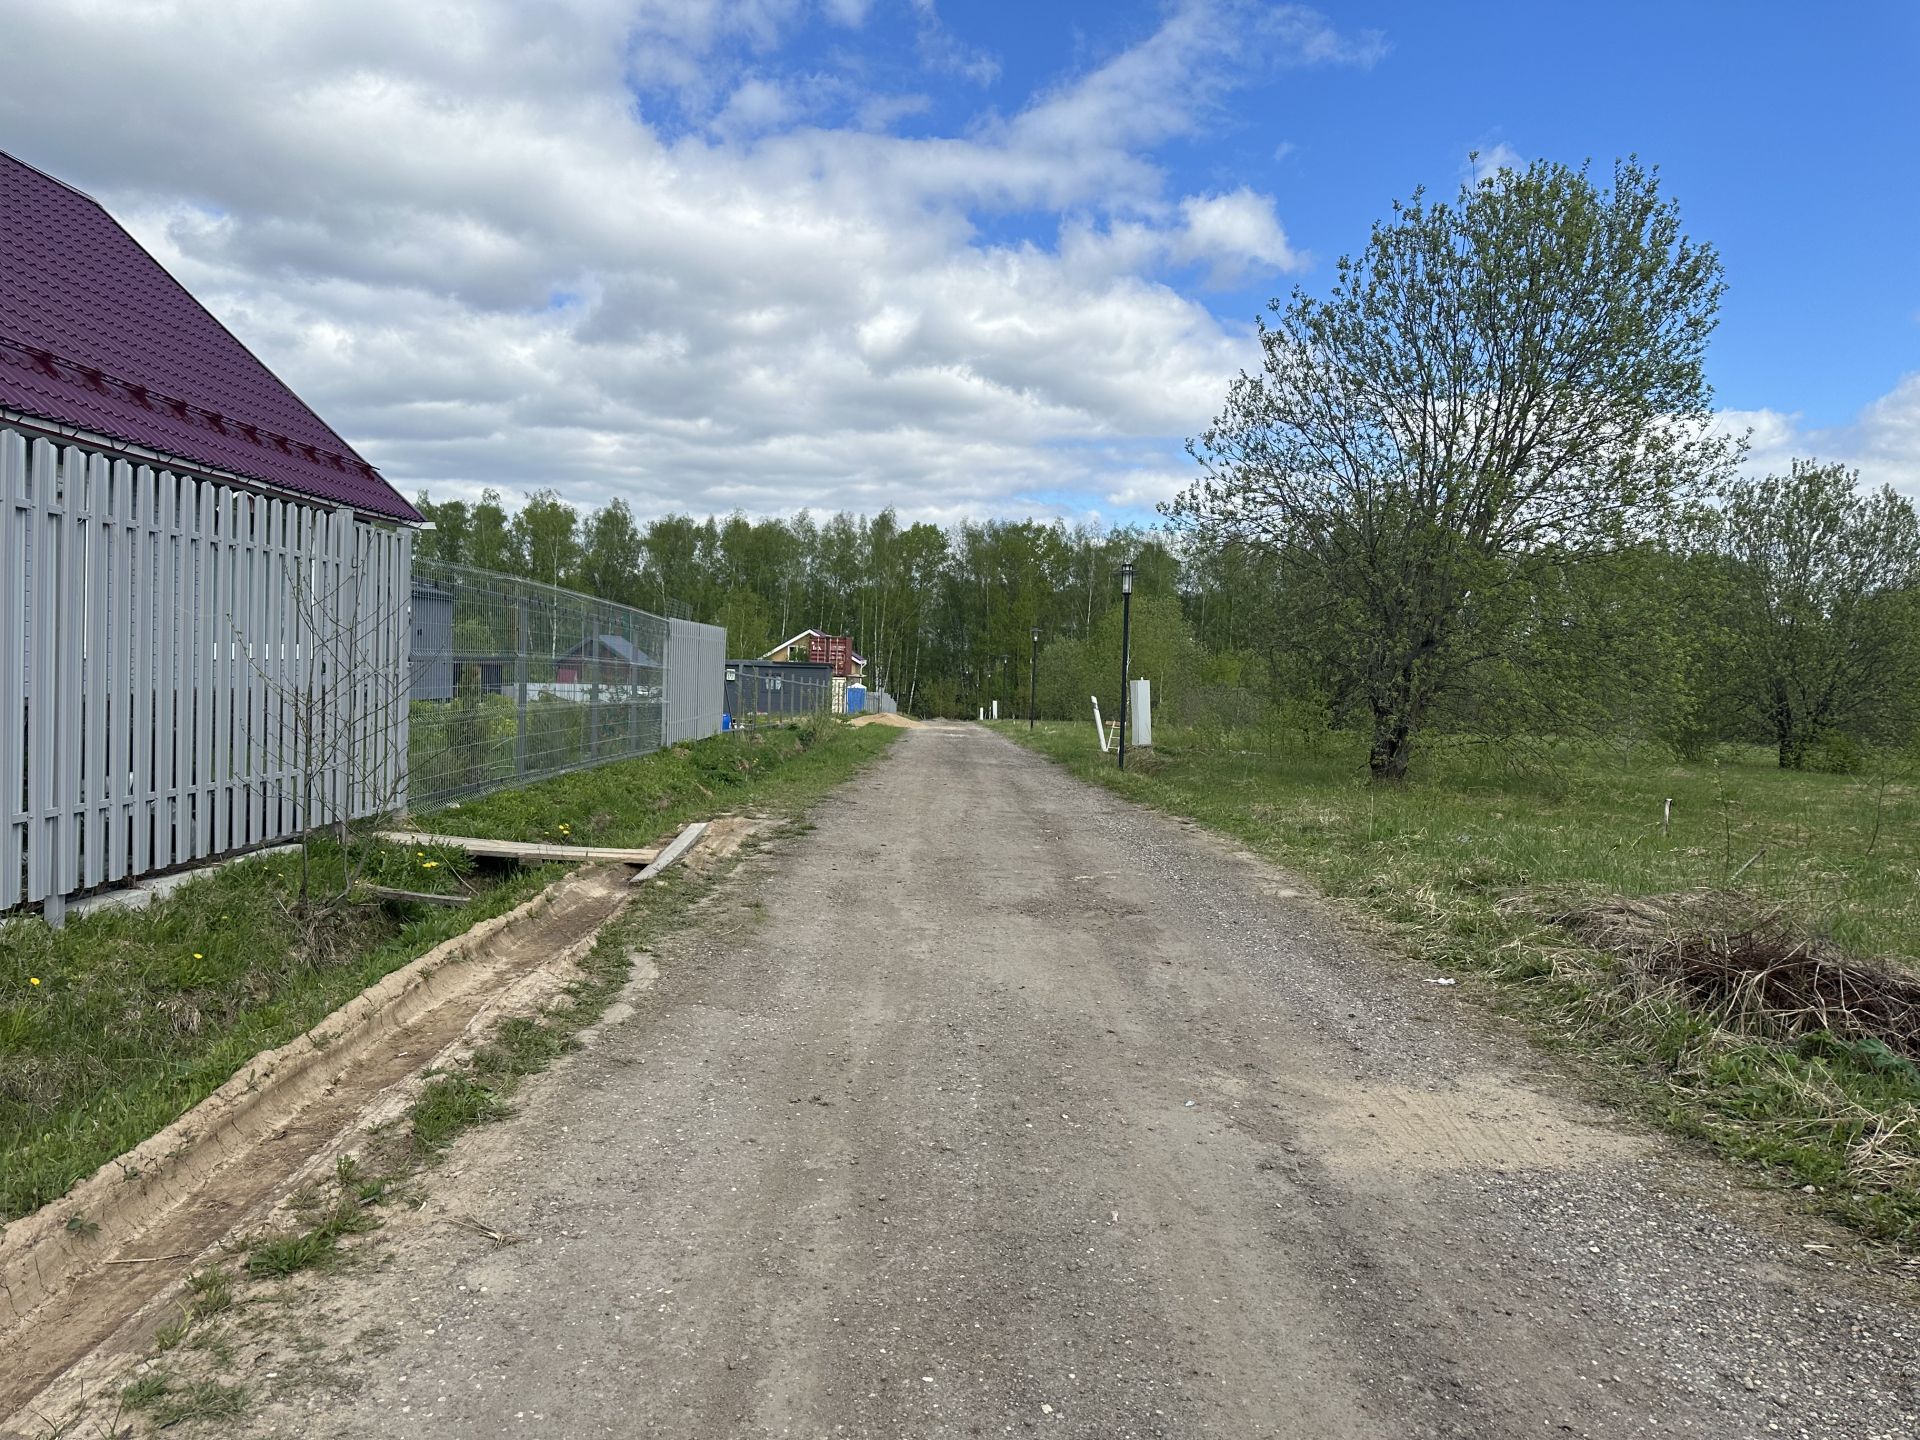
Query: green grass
[[753, 769], [168, 1403], [146, 1390], [1460, 863], [318, 1246], [139, 1015], [450, 1104], [212, 1292], [481, 1088]]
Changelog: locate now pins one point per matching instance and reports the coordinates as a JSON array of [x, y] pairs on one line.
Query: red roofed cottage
[[188, 556]]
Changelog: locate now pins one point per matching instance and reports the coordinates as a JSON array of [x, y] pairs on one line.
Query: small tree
[[1821, 582], [337, 700], [1493, 391]]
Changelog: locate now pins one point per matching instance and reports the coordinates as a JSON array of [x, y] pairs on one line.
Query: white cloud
[[757, 105], [1882, 441], [1237, 232], [1234, 236], [615, 248], [1485, 164], [942, 50]]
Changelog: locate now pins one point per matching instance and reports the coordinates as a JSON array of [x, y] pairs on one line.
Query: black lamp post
[[1033, 681], [1126, 650]]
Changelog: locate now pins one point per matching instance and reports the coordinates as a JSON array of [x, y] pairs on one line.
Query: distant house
[[816, 647], [175, 524], [621, 663]]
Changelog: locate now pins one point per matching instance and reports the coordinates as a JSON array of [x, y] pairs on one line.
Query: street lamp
[[1033, 680], [1126, 649]]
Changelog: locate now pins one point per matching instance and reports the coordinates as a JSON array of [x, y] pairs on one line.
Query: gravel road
[[994, 1105]]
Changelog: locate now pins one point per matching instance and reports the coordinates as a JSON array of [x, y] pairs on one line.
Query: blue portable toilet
[[856, 698]]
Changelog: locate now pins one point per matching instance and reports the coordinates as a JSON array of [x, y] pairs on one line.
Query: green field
[[1463, 864], [114, 1026]]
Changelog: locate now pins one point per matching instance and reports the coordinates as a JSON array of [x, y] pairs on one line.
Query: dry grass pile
[[1729, 955]]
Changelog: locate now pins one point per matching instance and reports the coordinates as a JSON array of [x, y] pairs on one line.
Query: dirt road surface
[[996, 1106]]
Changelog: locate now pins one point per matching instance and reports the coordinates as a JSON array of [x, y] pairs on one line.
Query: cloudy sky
[[961, 257]]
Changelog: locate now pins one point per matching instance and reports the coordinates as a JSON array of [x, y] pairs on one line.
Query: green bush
[[1835, 754]]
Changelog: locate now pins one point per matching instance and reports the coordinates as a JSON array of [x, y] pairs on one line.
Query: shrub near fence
[[514, 680]]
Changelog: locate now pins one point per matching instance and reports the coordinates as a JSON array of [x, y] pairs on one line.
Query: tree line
[[944, 616], [1477, 487]]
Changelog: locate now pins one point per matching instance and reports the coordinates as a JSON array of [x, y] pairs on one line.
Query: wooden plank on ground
[[527, 851], [417, 897], [676, 847]]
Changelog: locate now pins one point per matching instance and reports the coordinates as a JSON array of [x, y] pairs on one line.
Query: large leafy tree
[[445, 537], [610, 554], [1494, 390], [490, 542], [546, 533], [1820, 582]]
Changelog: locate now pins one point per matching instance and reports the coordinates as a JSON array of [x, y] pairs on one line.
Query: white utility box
[[1140, 706]]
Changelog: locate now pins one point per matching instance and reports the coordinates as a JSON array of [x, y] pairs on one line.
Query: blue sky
[[1789, 133], [960, 257]]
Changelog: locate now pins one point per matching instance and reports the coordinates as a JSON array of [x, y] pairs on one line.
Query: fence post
[[14, 532], [593, 697], [522, 640]]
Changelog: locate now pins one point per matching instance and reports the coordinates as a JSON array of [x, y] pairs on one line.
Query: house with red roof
[[203, 587], [817, 647]]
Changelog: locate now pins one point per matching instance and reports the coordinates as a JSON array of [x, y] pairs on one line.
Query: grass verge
[[1468, 866], [113, 1027]]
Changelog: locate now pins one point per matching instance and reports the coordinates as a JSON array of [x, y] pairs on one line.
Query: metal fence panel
[[696, 680], [761, 692], [512, 680]]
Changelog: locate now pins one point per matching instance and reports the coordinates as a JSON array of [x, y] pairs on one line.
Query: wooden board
[[676, 847], [526, 851], [416, 897]]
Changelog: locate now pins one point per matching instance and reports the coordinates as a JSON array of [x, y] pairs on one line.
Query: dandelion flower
[[198, 956], [431, 865], [33, 980]]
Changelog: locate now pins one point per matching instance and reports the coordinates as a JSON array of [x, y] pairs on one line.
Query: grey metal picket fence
[[187, 668]]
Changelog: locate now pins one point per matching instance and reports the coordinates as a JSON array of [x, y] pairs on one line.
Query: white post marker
[[1099, 730], [996, 709], [1141, 716]]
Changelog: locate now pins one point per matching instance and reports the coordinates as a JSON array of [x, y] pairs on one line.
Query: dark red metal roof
[[96, 335]]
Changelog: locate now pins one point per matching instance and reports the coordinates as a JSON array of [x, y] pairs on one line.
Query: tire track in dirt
[[293, 1126]]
